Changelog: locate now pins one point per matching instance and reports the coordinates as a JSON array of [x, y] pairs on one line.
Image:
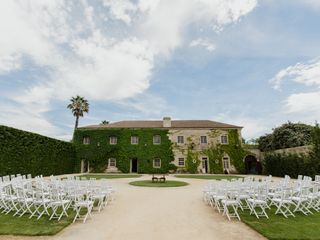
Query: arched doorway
[[252, 165]]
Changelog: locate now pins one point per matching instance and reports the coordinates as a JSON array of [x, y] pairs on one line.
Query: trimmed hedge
[[24, 152], [100, 150], [289, 164]]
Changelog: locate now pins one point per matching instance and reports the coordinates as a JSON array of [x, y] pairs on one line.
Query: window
[[180, 139], [112, 162], [181, 162], [203, 140], [113, 140], [86, 140], [157, 139], [224, 139], [134, 139], [157, 163], [226, 163]]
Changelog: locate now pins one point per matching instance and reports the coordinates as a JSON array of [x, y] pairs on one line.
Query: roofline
[[101, 127]]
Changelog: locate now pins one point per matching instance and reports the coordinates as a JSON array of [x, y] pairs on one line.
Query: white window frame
[[134, 142], [111, 138], [181, 137], [154, 163], [110, 160], [222, 137], [86, 140], [181, 159], [226, 163], [156, 137], [203, 137]]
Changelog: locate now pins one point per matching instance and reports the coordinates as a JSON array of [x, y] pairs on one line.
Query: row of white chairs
[[287, 196], [53, 196]]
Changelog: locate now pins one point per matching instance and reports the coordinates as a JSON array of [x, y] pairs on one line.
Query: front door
[[205, 165], [134, 165]]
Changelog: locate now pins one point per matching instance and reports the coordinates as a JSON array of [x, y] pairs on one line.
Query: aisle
[[158, 213]]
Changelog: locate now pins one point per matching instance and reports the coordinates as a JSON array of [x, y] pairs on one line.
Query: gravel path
[[155, 213]]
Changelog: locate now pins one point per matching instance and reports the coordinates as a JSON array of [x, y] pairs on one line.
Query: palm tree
[[78, 106]]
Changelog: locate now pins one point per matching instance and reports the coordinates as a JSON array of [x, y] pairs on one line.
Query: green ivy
[[192, 162], [215, 155], [235, 150], [99, 150], [23, 152]]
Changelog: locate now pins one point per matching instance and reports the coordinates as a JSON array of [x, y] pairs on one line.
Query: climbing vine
[[100, 150], [235, 150], [215, 152]]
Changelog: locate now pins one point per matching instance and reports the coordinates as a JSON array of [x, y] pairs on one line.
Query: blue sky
[[254, 63]]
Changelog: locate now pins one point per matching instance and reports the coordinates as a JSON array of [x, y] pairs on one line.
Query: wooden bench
[[158, 178]]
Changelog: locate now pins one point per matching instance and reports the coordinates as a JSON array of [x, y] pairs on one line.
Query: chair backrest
[[286, 193]]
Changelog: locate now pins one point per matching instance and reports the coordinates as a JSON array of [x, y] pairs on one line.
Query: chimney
[[166, 122]]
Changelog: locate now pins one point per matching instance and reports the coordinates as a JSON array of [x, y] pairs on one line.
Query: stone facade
[[195, 136], [200, 140]]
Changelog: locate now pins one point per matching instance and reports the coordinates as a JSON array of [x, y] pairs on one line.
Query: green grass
[[111, 176], [214, 177], [10, 225], [149, 183], [277, 227]]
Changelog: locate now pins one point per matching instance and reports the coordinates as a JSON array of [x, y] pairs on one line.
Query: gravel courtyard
[[155, 213]]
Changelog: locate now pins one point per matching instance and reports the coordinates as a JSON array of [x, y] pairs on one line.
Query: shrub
[[288, 164], [29, 153]]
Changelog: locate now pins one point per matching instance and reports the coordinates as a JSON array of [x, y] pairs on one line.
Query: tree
[[104, 122], [315, 153], [286, 136], [79, 106]]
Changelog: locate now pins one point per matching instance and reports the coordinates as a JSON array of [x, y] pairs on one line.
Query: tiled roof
[[159, 124]]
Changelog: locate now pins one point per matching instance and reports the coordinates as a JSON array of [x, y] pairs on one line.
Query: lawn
[[149, 183], [111, 176], [278, 227], [10, 225], [208, 177]]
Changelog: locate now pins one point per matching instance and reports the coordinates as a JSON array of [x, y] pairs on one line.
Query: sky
[[253, 63]]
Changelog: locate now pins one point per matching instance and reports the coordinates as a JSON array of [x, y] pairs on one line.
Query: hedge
[[289, 164], [24, 152], [100, 150]]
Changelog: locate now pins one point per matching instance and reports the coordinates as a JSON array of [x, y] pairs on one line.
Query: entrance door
[[252, 165], [134, 165], [205, 165]]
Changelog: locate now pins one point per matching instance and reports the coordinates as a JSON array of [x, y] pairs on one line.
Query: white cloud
[[9, 63], [303, 104], [252, 127], [165, 22], [121, 9], [81, 55], [206, 43], [304, 73]]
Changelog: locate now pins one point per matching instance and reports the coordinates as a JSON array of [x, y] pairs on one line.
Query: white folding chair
[[232, 202], [259, 200], [283, 202]]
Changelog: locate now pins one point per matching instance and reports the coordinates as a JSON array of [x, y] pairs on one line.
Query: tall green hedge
[[289, 164], [99, 150], [29, 153]]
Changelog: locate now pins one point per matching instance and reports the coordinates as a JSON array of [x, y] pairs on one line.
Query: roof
[[206, 124]]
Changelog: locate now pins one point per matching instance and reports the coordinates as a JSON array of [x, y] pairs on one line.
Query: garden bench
[[158, 178]]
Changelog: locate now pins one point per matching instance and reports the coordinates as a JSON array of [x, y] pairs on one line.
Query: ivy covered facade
[[194, 146]]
